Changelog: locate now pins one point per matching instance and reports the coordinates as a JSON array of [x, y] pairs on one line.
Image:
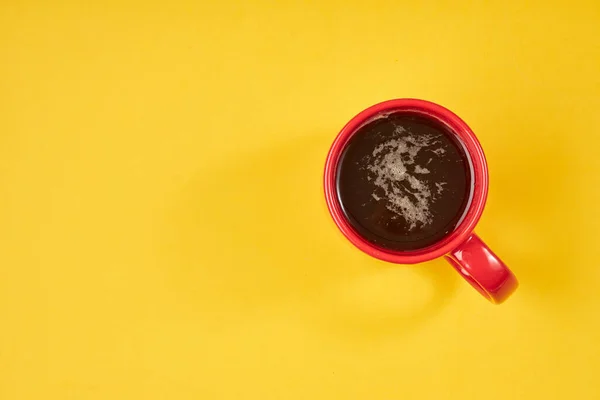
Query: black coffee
[[404, 181]]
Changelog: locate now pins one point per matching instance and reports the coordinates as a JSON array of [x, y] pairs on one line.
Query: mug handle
[[483, 269]]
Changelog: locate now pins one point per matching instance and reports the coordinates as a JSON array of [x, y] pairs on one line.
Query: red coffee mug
[[463, 249]]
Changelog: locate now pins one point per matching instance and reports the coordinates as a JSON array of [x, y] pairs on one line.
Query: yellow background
[[163, 233]]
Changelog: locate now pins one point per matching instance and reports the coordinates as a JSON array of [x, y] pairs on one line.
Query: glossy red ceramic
[[462, 248]]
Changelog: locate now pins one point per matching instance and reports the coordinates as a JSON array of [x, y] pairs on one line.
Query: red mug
[[463, 249]]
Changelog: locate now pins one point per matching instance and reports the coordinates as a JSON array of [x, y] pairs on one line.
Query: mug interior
[[479, 176]]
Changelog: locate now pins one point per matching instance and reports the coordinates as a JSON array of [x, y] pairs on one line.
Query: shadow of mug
[[254, 236]]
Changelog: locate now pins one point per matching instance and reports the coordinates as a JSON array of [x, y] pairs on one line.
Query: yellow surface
[[163, 233]]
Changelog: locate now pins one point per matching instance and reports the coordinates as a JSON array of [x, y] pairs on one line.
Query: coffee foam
[[394, 171]]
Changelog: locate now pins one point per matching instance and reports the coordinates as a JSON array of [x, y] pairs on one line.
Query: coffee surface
[[404, 181]]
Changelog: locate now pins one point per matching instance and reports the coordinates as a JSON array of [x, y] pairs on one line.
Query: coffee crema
[[404, 181]]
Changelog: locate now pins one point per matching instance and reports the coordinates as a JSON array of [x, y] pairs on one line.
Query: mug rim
[[479, 175]]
